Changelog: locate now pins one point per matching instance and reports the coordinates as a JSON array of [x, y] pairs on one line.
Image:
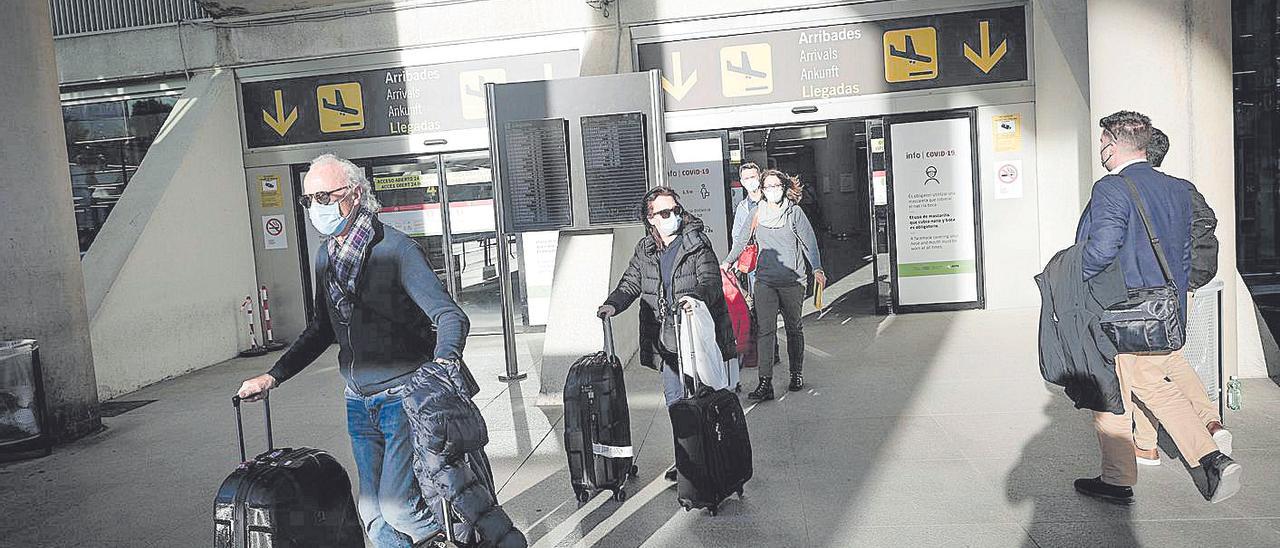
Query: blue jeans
[[391, 507]]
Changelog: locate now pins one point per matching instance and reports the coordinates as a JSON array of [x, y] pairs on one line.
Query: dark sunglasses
[[323, 197], [667, 213]]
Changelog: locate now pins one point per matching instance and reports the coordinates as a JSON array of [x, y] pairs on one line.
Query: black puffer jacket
[[466, 482], [449, 435], [696, 273]]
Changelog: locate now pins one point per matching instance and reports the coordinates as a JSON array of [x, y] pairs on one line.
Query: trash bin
[[22, 427]]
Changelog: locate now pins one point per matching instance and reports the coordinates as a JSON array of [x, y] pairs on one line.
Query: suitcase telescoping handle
[[266, 406], [608, 336], [680, 353]]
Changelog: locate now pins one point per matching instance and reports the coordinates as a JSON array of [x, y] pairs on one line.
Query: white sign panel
[[1008, 179], [273, 236], [539, 254], [695, 169], [933, 190]]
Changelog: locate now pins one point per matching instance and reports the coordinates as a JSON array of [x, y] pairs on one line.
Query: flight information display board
[[615, 165], [535, 174]]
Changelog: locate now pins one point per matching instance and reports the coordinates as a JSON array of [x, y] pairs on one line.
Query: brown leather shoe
[[1147, 457]]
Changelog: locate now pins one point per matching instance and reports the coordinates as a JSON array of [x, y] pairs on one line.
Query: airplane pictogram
[[341, 106], [910, 54], [747, 70], [744, 67]]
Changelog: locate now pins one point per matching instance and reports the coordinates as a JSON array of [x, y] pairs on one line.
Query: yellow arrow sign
[[681, 86], [986, 60], [280, 123]]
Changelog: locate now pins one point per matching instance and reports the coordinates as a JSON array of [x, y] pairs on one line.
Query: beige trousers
[[1179, 371], [1142, 378]]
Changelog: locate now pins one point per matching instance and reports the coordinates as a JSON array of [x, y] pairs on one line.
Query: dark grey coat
[[696, 273], [1074, 352]]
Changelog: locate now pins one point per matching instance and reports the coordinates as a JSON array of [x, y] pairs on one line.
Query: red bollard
[[255, 349], [271, 344]]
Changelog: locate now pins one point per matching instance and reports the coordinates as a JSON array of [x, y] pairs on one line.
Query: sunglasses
[[667, 213], [324, 197]]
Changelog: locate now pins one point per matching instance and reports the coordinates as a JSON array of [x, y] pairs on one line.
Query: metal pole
[[504, 264]]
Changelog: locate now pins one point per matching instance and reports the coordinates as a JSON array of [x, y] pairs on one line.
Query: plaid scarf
[[345, 259]]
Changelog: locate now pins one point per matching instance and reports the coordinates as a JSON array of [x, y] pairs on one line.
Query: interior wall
[[1011, 226], [1062, 136]]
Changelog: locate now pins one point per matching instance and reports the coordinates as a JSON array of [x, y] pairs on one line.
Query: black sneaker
[[797, 382], [1221, 477], [764, 391], [1098, 489], [671, 473]]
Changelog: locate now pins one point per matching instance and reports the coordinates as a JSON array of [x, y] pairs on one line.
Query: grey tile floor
[[920, 430]]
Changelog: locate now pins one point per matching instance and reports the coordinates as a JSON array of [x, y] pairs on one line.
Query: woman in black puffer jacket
[[673, 263]]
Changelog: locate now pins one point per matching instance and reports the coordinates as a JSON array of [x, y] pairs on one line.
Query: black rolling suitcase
[[713, 448], [597, 424], [285, 498]]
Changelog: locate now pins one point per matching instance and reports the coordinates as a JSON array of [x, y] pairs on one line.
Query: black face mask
[[1108, 158]]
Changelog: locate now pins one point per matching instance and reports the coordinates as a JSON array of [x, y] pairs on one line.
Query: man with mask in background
[[379, 299], [1204, 263]]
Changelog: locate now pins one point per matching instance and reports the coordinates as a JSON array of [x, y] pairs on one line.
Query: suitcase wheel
[[620, 495], [635, 471], [583, 495]]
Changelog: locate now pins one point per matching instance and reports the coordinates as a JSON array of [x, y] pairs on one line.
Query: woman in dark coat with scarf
[[671, 265]]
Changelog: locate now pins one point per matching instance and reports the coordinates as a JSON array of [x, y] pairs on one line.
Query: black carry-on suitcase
[[285, 498], [713, 448], [597, 424]]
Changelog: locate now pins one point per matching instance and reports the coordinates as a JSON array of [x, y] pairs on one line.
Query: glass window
[[106, 142], [1256, 48]]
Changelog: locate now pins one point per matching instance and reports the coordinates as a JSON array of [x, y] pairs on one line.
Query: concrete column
[[42, 293], [1171, 60]]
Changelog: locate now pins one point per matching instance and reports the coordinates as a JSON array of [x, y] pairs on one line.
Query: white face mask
[[327, 219], [667, 226], [751, 183], [774, 195]]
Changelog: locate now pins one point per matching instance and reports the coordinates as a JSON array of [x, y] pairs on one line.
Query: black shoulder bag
[[1149, 320]]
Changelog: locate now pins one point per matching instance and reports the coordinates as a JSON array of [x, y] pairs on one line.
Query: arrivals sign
[[854, 59], [932, 184], [385, 102]]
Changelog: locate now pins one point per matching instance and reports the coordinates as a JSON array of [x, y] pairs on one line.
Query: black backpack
[[1204, 244]]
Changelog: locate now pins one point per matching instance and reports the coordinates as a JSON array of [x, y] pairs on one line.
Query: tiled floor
[[920, 430]]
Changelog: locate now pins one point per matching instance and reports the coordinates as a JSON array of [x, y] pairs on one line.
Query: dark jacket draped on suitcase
[[696, 274], [1074, 352], [449, 435]]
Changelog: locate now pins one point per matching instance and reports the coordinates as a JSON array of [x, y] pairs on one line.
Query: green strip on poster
[[936, 268]]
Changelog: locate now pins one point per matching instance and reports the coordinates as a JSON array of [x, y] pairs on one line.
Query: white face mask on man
[[751, 183]]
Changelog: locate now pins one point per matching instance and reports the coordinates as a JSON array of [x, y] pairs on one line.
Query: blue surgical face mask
[[327, 219]]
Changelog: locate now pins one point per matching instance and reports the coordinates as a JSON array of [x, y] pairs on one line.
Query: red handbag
[[751, 252]]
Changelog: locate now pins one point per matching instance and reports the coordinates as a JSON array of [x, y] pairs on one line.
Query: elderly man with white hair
[[379, 299]]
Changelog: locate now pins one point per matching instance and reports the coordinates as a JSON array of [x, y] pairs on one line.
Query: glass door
[[409, 191], [475, 283]]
